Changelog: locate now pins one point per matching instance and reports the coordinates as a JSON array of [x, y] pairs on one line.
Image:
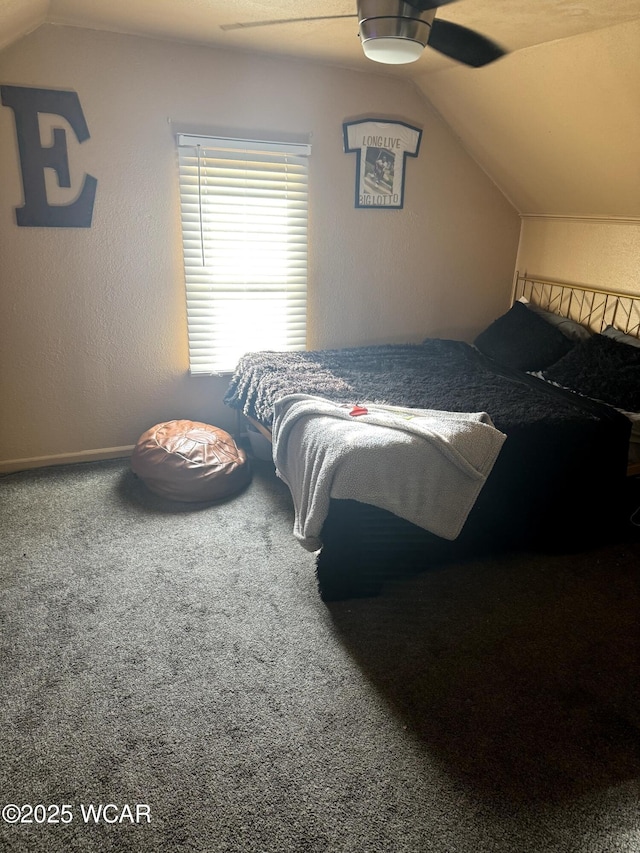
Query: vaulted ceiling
[[555, 123]]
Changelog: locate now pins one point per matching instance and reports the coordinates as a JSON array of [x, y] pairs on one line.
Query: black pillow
[[603, 369], [523, 340]]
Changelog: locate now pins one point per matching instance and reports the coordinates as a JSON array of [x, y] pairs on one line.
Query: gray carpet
[[179, 657]]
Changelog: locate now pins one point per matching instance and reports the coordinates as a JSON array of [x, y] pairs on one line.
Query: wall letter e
[[26, 103]]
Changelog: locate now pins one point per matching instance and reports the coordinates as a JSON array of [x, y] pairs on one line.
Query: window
[[244, 229]]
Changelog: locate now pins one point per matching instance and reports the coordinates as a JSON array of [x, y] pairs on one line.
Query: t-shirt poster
[[381, 148]]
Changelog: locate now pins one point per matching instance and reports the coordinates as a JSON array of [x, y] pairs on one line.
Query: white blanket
[[423, 465]]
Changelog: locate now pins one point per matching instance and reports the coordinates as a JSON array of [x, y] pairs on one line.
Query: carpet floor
[[171, 681]]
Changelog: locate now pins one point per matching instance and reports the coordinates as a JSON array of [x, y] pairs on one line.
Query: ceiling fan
[[396, 32]]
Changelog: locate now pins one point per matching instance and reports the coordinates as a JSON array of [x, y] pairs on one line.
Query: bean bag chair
[[190, 461]]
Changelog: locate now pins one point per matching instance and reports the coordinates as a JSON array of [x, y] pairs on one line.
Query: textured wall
[[604, 253], [92, 321]]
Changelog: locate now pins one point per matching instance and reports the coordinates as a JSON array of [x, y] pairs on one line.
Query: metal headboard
[[590, 306]]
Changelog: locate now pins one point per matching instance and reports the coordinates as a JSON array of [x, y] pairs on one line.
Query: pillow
[[621, 337], [603, 369], [523, 340], [571, 328]]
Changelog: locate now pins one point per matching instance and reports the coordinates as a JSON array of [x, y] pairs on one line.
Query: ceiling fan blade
[[250, 24], [463, 44]]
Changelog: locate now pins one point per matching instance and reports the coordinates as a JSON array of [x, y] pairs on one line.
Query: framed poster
[[381, 149]]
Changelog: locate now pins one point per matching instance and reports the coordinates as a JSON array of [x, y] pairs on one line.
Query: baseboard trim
[[10, 466]]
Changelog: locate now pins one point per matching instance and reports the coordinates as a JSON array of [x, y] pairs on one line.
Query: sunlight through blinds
[[244, 229]]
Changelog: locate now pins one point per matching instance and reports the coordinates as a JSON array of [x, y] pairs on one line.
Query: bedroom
[[530, 164], [545, 182]]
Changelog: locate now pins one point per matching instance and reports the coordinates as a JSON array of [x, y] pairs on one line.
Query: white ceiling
[[513, 23]]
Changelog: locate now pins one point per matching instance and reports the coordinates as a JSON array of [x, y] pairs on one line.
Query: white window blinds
[[244, 228]]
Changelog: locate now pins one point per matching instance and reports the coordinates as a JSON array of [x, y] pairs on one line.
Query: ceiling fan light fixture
[[393, 32], [392, 51]]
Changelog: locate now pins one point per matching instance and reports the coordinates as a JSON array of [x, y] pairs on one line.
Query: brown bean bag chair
[[190, 461]]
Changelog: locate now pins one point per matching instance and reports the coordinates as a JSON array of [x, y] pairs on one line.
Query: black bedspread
[[556, 482]]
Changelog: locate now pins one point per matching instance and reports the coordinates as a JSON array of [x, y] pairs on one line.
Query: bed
[[558, 376]]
